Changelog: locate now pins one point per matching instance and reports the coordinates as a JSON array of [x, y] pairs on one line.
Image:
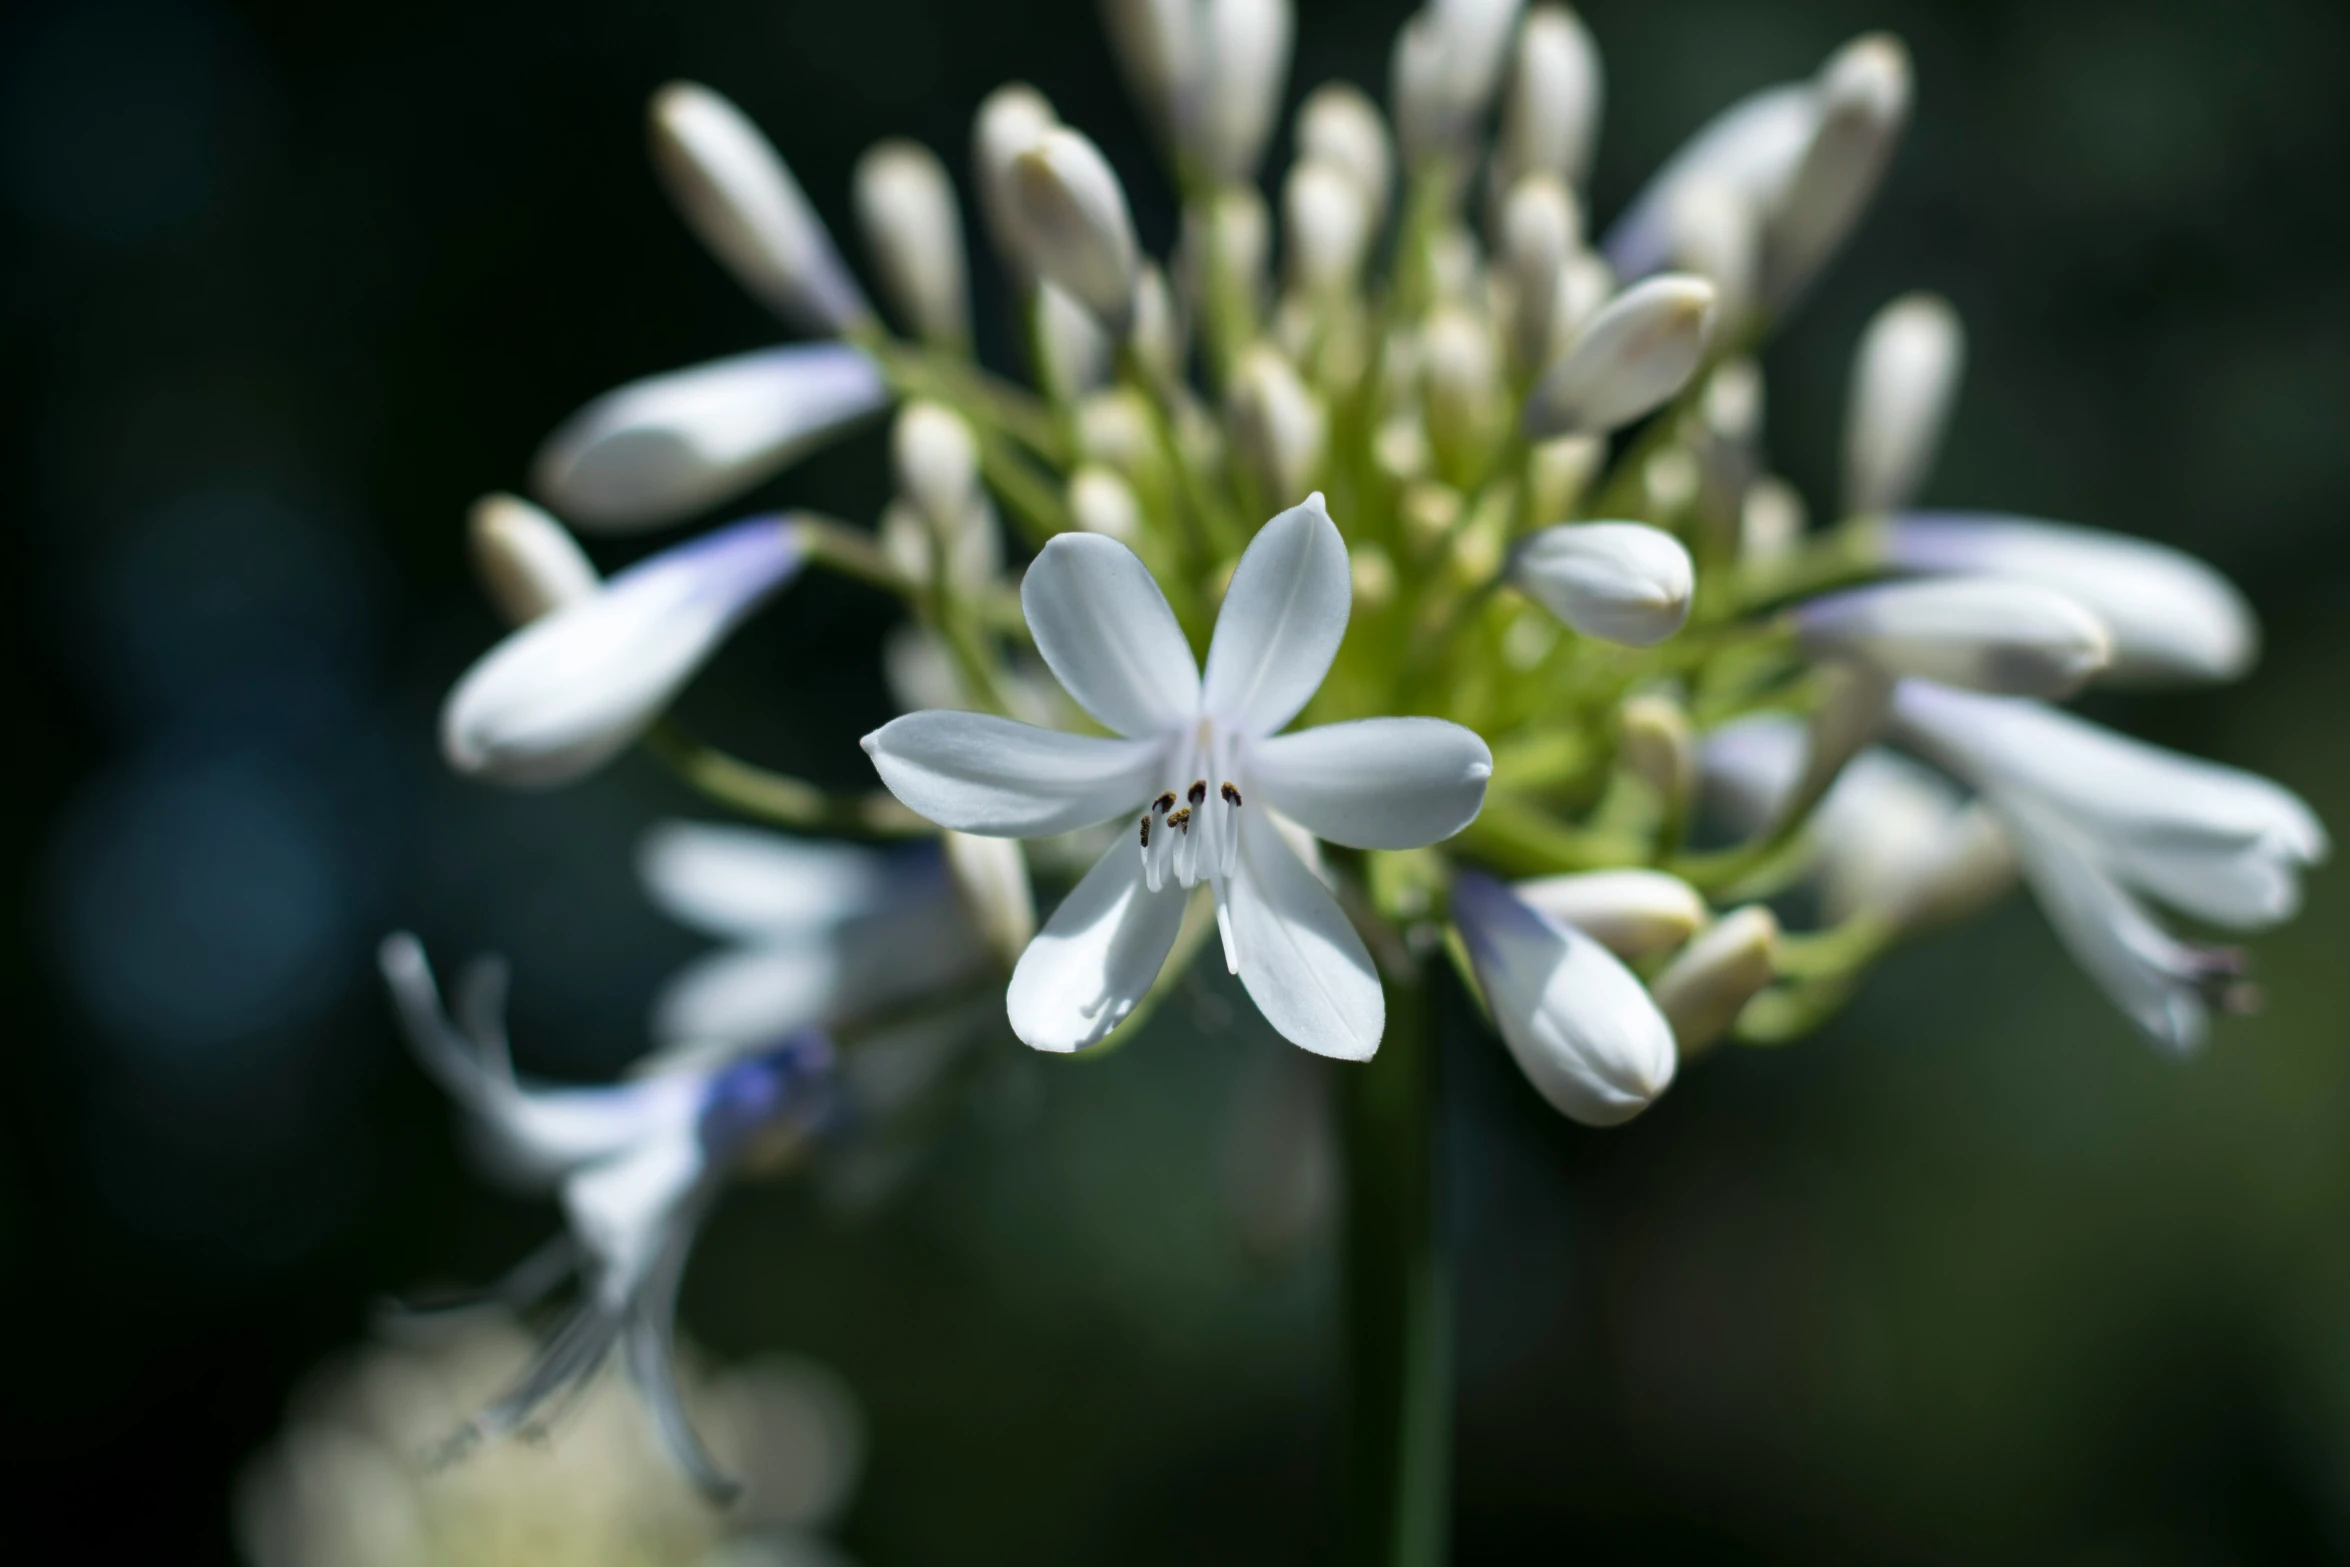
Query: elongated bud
[[1447, 60], [1622, 581], [1717, 233], [1969, 865], [1277, 426], [1633, 913], [1337, 125], [1983, 633], [969, 545], [1550, 119], [991, 874], [1074, 352], [527, 561], [1702, 991], [1586, 1035], [1753, 146], [1245, 65], [1157, 336], [1863, 97], [1010, 120], [1102, 502], [1656, 745], [1464, 389], [1632, 356], [1158, 45], [1071, 215], [1559, 471], [1229, 236], [1327, 218], [663, 448], [1771, 520], [1904, 379], [937, 460], [562, 696], [906, 205], [1540, 227], [2172, 617], [739, 196]]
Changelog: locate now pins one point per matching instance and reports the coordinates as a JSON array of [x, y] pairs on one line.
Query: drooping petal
[[563, 695], [1282, 621], [1097, 957], [1580, 1026], [1375, 783], [1624, 581], [741, 996], [973, 772], [1106, 632], [747, 883], [668, 446], [1298, 957]]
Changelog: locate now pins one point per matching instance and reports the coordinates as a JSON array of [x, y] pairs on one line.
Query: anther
[[1199, 790], [1164, 803], [1231, 796], [1181, 820], [1146, 829]]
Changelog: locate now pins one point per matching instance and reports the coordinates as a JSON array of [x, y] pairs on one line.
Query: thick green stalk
[[1399, 1297]]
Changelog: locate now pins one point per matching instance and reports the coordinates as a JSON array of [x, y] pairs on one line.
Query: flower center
[[1189, 832]]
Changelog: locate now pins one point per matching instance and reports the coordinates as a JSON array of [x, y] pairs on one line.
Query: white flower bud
[[1277, 426], [1327, 218], [1632, 356], [992, 876], [1586, 283], [1904, 379], [1463, 387], [906, 205], [1230, 236], [527, 561], [1656, 745], [1158, 46], [1622, 581], [1337, 125], [739, 196], [1071, 215], [1540, 227], [1702, 991], [1074, 351], [971, 543], [1771, 520], [1448, 58], [1102, 502], [1550, 118], [665, 447], [1717, 234], [1586, 1035], [1983, 633], [564, 694], [1559, 471], [1243, 68], [1633, 913], [1863, 96], [1011, 120], [937, 460], [1156, 337]]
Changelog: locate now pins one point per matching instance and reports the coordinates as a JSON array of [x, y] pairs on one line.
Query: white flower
[[1633, 912], [1904, 379], [526, 560], [1624, 581], [1636, 353], [665, 447], [636, 1165], [2171, 616], [906, 206], [1581, 1027], [566, 693], [1984, 633], [740, 197], [2101, 820], [1203, 764]]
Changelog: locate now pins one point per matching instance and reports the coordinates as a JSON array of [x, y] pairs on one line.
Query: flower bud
[[736, 192], [1621, 581], [527, 561], [1702, 991], [1633, 913], [1550, 118], [970, 544], [1904, 379], [564, 694], [1771, 520], [1229, 238], [1447, 60], [1586, 1035], [1101, 502], [1158, 47], [937, 460], [1071, 215], [1655, 744], [992, 876], [665, 447], [906, 205], [1011, 120], [1983, 633], [1539, 230], [1632, 356], [1244, 67], [1463, 388], [1338, 126], [1327, 219], [1717, 234], [1073, 353], [1862, 96], [1156, 337], [1277, 426], [1559, 471]]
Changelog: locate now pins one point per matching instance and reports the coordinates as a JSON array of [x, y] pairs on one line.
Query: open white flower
[[1201, 762]]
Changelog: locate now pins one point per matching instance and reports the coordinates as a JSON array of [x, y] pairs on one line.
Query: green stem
[[775, 797], [1399, 1296]]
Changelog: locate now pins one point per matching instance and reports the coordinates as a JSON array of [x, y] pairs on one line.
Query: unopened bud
[[1070, 212], [937, 460], [1656, 745], [1101, 502], [1227, 241], [1863, 96], [1157, 334], [1464, 390], [1771, 520], [1702, 991], [1904, 379], [1632, 356], [1716, 233], [527, 561], [1339, 126], [992, 877], [1327, 218], [1447, 60], [1277, 426], [1074, 354], [1244, 67], [1550, 118], [1011, 120], [1634, 913], [1982, 633], [1559, 471], [1621, 581], [1539, 225], [906, 205]]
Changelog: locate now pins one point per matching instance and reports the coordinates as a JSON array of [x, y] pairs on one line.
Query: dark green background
[[1971, 1276]]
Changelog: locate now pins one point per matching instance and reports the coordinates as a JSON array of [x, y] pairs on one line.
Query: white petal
[[1984, 633], [563, 695], [744, 996], [1863, 94], [1073, 219], [740, 197], [1633, 913], [1283, 618], [746, 882], [1096, 957], [1298, 957], [665, 447], [1624, 581], [1634, 355], [2171, 616], [1581, 1027], [973, 772], [1376, 783], [1904, 380], [906, 205], [1106, 632], [622, 1210], [526, 559], [1753, 147]]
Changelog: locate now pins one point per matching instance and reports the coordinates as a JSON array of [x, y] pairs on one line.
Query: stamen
[[1181, 820], [1164, 803], [1199, 790], [1231, 795], [1146, 829]]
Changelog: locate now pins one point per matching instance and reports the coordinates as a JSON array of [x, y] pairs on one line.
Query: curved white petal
[[1581, 1027], [671, 445], [1282, 621], [1984, 633], [561, 696], [745, 996], [1298, 957], [747, 882], [1376, 783], [1752, 147], [1097, 957], [622, 1211], [1624, 581], [977, 773], [1106, 632]]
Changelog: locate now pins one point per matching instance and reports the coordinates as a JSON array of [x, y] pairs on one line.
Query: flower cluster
[[1398, 511]]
